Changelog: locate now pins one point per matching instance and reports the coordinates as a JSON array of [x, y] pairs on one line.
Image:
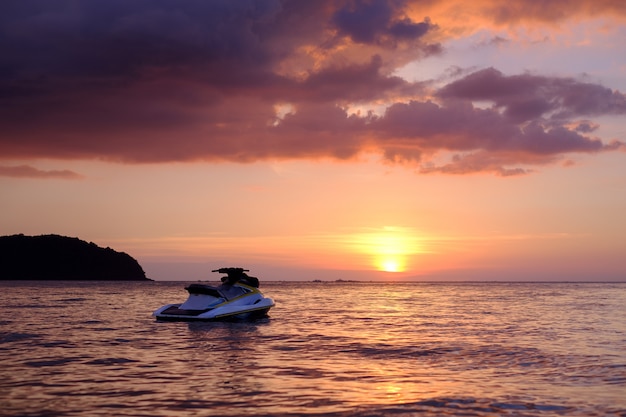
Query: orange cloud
[[457, 17]]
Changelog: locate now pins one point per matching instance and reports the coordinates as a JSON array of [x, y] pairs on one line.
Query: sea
[[327, 349]]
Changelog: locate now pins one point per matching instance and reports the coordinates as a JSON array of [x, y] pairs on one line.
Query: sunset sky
[[382, 139]]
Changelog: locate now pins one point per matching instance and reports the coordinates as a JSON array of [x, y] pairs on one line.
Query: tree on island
[[54, 257]]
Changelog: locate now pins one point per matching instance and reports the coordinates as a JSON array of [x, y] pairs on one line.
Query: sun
[[389, 248], [390, 265]]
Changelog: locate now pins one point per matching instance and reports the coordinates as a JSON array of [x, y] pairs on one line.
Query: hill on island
[[54, 257]]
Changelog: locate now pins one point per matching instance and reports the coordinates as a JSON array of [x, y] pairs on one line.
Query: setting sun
[[389, 248], [391, 265]]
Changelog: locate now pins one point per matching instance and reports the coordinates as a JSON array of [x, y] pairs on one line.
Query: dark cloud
[[107, 38], [378, 21], [526, 97], [354, 83], [364, 20], [26, 171], [406, 29], [183, 80], [428, 127]]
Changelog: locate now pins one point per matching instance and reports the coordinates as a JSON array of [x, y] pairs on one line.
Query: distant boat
[[238, 297]]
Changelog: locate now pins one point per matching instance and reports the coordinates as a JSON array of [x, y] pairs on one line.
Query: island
[[54, 257]]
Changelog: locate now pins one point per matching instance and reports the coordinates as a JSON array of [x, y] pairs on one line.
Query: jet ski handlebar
[[230, 270], [233, 275]]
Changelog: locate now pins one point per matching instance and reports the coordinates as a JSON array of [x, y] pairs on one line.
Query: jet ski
[[238, 297]]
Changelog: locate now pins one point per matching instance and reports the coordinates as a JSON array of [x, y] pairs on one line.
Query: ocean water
[[328, 349]]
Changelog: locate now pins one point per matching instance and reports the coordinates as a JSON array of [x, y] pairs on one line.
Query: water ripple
[[405, 350]]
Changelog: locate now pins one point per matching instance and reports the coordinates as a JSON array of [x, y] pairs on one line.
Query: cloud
[[478, 162], [487, 139], [458, 17], [353, 83], [378, 21], [25, 171], [189, 80], [525, 97], [549, 11], [461, 126]]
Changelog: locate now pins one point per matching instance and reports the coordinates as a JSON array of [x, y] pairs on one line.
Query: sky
[[352, 139]]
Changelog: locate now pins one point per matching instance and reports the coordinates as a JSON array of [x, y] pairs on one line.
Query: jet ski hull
[[173, 312]]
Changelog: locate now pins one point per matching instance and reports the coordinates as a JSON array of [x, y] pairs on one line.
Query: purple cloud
[[526, 97], [378, 21], [188, 80], [25, 171]]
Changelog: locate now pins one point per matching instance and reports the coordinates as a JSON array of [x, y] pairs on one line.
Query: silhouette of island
[[54, 257]]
